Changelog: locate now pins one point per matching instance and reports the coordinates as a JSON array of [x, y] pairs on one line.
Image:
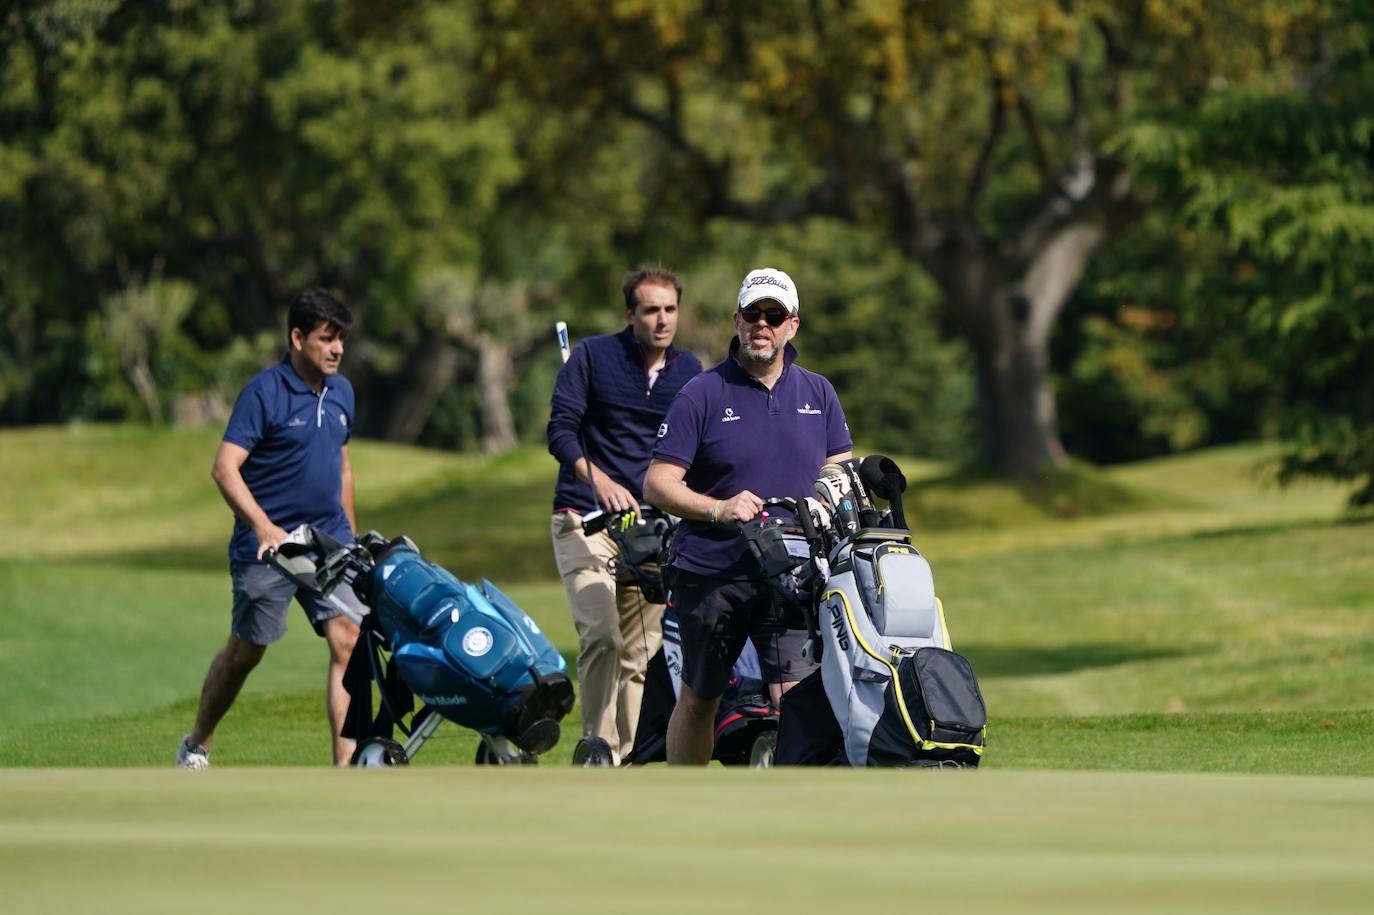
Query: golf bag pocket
[[467, 650], [898, 592], [932, 712]]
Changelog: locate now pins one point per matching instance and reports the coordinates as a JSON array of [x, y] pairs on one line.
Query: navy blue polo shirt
[[294, 438], [731, 434]]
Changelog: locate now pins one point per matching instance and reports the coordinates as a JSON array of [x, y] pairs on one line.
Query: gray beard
[[758, 357]]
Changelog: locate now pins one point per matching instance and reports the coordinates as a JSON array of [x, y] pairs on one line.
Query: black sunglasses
[[774, 316]]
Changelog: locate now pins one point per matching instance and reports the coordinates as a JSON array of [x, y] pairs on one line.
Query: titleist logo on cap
[[769, 280]]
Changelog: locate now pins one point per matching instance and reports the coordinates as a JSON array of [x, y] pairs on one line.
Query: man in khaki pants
[[608, 406]]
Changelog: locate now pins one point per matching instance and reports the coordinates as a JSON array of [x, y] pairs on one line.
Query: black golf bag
[[890, 691]]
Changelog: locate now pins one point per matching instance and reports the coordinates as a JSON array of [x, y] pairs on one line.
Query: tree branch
[[1089, 183], [996, 124], [1078, 116], [827, 198], [1037, 144]]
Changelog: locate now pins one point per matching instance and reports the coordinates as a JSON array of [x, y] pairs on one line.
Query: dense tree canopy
[[981, 139], [1161, 205], [1274, 190]]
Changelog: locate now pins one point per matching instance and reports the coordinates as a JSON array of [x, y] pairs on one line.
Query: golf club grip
[[560, 329], [779, 502], [807, 526]]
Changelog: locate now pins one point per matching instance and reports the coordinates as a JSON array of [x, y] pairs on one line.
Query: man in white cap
[[755, 426]]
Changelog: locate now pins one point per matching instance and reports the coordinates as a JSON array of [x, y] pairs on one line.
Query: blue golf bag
[[466, 652]]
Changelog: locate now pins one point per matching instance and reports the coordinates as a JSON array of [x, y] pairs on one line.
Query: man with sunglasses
[[608, 403], [755, 426]]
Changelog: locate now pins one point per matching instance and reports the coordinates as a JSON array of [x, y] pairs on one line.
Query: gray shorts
[[261, 595]]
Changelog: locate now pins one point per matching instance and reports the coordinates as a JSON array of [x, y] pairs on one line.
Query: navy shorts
[[261, 595], [716, 616]]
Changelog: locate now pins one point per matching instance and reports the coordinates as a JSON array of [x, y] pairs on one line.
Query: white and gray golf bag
[[890, 691], [900, 696]]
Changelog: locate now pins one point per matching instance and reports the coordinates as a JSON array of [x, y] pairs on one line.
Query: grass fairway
[[267, 840], [1176, 659]]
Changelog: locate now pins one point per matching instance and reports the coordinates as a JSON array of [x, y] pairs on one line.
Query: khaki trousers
[[617, 632]]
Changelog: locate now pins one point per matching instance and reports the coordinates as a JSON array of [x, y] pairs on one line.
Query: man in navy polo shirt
[[755, 426], [608, 403], [284, 462]]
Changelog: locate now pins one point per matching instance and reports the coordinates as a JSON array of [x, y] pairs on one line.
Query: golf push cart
[[466, 652]]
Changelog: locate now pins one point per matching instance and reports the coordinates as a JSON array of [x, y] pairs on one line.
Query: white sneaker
[[192, 755]]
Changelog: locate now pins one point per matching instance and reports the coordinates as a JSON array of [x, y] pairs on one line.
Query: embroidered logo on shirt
[[730, 416], [343, 418], [296, 421], [808, 411]]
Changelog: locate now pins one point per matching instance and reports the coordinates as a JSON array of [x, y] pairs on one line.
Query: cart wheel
[[487, 757], [592, 752], [379, 751], [761, 754]]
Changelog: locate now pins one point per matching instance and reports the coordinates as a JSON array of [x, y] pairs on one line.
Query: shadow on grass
[[980, 497], [497, 531], [1027, 661], [1263, 530]]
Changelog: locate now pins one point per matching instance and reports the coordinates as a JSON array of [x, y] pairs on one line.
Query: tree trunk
[[431, 373], [495, 377], [1018, 426], [1008, 324], [141, 377]]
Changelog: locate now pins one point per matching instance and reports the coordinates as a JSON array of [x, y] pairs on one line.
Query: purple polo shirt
[[733, 434]]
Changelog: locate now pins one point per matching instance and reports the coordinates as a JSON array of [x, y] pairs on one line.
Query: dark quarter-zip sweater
[[604, 409]]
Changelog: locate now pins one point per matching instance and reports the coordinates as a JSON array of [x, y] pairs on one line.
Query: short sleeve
[[837, 437], [248, 421], [679, 435]]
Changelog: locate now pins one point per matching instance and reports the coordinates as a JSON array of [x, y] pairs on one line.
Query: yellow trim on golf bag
[[897, 681], [944, 630], [901, 549]]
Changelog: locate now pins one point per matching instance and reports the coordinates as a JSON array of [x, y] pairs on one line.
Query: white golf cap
[[768, 283]]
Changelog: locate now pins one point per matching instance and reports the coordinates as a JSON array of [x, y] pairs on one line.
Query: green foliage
[[247, 149], [1277, 190], [251, 149], [1152, 365]]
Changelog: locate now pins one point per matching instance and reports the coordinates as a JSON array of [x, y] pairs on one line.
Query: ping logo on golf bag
[[838, 624]]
